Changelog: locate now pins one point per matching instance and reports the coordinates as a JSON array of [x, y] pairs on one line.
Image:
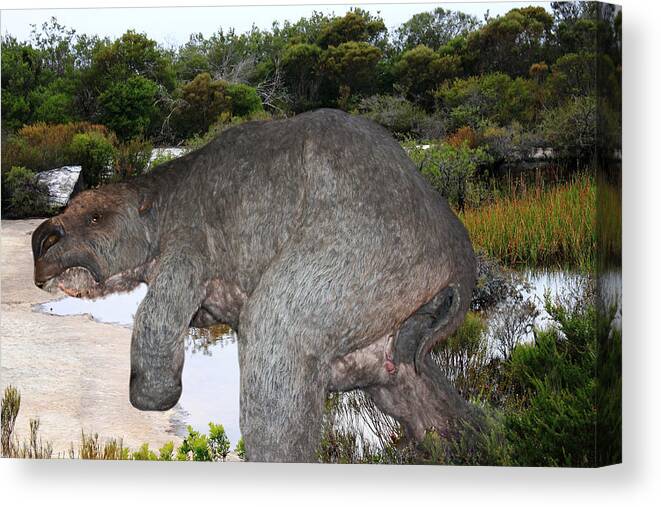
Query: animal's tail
[[445, 310]]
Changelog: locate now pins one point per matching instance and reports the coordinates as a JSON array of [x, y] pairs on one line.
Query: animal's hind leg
[[424, 400], [420, 401]]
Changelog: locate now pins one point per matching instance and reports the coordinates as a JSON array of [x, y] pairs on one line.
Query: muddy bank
[[72, 372]]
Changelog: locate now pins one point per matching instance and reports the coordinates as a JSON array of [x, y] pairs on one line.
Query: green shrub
[[219, 444], [144, 454], [495, 97], [166, 453], [95, 154], [161, 158], [41, 146], [129, 107], [571, 130], [244, 99], [401, 117], [194, 447], [23, 196], [240, 449], [131, 158], [453, 171]]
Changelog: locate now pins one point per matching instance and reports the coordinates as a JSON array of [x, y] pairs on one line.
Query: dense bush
[[401, 117], [131, 158], [95, 154], [453, 171], [22, 195], [129, 107], [496, 97], [571, 130], [41, 146]]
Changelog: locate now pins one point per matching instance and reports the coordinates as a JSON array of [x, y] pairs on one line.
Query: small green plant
[[131, 158], [95, 154], [166, 453], [162, 158], [11, 404], [23, 195], [240, 449], [144, 454], [195, 447], [219, 444]]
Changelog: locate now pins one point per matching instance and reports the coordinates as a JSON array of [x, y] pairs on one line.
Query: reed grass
[[552, 227]]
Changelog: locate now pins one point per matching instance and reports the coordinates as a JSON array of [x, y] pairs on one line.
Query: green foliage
[[41, 147], [131, 158], [571, 129], [11, 404], [22, 195], [540, 227], [356, 25], [144, 454], [434, 29], [495, 97], [204, 101], [131, 56], [420, 70], [555, 377], [401, 116], [465, 356], [351, 65], [453, 171], [219, 444], [301, 65], [95, 154], [166, 453], [129, 107], [511, 43], [240, 449], [194, 447], [244, 100]]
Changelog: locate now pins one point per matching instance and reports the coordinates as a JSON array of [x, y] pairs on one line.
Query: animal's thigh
[[282, 400]]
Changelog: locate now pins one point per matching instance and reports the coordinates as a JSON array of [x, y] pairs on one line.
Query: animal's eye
[[95, 218]]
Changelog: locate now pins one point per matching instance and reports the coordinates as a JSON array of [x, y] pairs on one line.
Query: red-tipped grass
[[540, 228]]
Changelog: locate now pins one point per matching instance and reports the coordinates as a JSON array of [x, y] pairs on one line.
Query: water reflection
[[211, 370]]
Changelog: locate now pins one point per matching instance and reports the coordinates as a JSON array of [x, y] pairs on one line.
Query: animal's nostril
[[50, 241]]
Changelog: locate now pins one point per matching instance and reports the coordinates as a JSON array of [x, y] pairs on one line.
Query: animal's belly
[[222, 305]]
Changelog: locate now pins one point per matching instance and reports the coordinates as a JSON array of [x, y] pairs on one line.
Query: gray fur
[[315, 238]]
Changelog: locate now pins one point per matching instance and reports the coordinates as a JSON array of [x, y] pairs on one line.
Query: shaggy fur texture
[[315, 238]]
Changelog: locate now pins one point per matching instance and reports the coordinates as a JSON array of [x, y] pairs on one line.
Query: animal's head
[[97, 245]]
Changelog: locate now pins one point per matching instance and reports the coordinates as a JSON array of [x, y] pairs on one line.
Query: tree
[[421, 70], [129, 107], [356, 25], [434, 29], [302, 73], [351, 66], [132, 55], [511, 43]]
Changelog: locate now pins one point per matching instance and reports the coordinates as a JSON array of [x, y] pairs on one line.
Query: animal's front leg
[[161, 323]]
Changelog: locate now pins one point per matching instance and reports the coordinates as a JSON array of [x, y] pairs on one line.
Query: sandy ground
[[72, 372]]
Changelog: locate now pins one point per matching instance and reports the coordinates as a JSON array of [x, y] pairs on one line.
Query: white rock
[[60, 183]]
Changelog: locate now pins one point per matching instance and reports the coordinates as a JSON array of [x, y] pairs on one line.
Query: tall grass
[[554, 227]]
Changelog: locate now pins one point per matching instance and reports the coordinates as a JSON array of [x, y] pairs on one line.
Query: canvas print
[[385, 234]]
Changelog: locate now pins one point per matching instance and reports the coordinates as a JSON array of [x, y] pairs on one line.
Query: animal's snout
[[47, 235]]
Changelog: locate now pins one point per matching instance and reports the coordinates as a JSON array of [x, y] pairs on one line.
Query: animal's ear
[[146, 202]]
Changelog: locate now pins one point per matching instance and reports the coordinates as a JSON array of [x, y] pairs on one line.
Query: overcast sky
[[173, 25]]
